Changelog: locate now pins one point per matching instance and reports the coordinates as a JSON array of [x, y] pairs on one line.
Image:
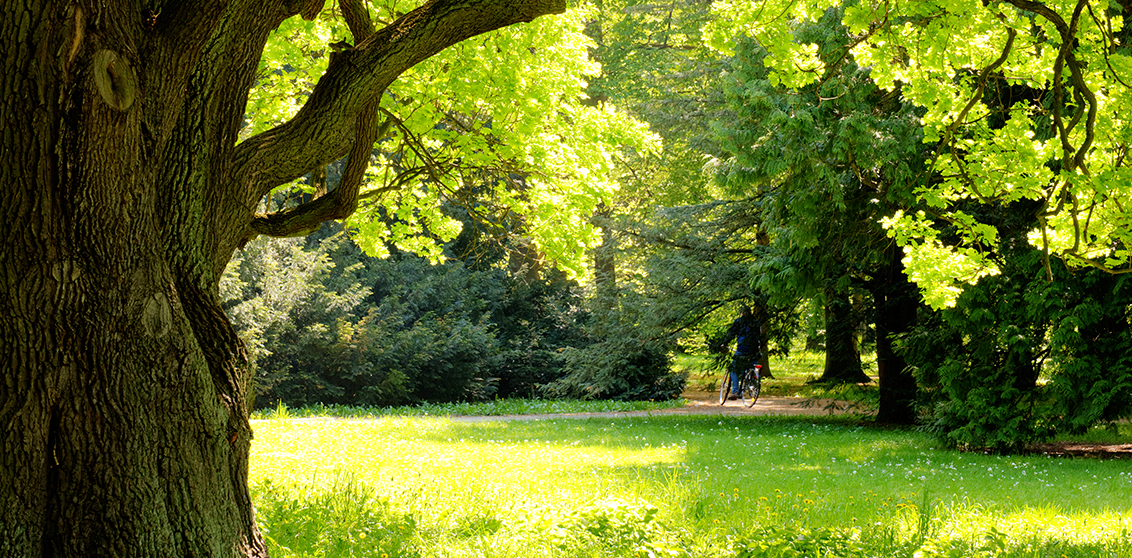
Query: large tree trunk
[[896, 303], [123, 424], [125, 427]]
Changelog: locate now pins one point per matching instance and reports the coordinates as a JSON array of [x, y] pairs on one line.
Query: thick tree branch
[[357, 17], [339, 203], [342, 202], [323, 129]]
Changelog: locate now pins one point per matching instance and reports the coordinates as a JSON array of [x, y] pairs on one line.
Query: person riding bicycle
[[747, 332]]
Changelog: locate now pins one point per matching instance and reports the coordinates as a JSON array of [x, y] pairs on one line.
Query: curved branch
[[983, 75], [1066, 57], [342, 202], [337, 204], [323, 129]]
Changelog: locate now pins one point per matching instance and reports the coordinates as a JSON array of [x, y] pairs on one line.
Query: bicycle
[[750, 385]]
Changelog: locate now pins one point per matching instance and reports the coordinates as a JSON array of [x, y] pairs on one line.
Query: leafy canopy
[[496, 125], [1022, 100]]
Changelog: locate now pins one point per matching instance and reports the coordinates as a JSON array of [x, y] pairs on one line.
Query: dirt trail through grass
[[700, 403]]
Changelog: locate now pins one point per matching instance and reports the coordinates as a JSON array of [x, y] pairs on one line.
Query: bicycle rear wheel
[[724, 388], [752, 386]]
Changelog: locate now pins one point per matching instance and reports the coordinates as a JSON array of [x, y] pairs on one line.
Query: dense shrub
[[1022, 357], [537, 322], [327, 325], [628, 359]]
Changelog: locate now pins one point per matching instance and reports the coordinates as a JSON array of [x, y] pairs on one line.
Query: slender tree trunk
[[605, 261], [842, 354], [896, 305], [525, 259]]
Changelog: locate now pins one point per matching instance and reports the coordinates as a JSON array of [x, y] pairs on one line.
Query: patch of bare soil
[[1083, 449], [707, 403], [702, 403]]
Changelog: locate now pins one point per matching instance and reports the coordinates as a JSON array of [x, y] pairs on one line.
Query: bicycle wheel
[[724, 388], [752, 385]]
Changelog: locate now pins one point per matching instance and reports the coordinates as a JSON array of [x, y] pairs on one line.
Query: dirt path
[[705, 403], [699, 403]]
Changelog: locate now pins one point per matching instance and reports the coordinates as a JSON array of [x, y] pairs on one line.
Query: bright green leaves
[[501, 115], [1010, 113], [492, 128], [941, 271], [771, 23], [996, 126], [293, 59]]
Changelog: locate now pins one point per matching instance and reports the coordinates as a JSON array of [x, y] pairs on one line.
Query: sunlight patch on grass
[[422, 459], [690, 486]]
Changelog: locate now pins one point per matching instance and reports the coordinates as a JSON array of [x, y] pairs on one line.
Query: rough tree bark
[[123, 427], [896, 300]]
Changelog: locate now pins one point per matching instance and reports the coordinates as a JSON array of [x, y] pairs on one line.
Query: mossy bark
[[123, 421]]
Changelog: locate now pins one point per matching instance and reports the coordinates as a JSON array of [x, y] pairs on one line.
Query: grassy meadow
[[670, 486]]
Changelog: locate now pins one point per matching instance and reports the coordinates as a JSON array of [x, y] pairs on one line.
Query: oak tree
[[123, 424]]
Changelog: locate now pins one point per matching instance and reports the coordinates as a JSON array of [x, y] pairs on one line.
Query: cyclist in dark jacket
[[747, 332]]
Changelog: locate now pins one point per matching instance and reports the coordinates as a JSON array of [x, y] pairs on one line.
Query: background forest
[[701, 180]]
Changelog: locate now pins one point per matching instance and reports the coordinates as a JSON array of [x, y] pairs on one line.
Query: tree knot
[[115, 80]]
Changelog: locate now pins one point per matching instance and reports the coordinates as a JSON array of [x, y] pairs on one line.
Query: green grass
[[498, 407], [670, 486]]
